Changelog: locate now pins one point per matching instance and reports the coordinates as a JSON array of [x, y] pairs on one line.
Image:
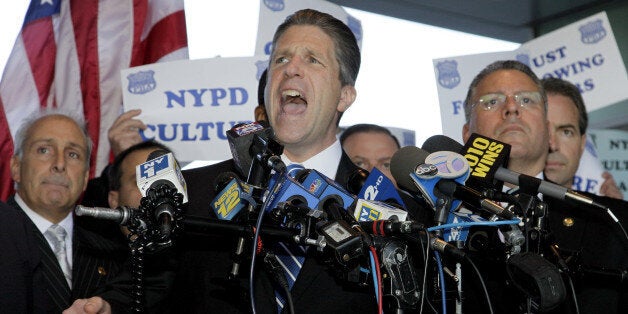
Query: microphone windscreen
[[437, 143], [356, 181], [403, 163], [156, 153], [223, 179]]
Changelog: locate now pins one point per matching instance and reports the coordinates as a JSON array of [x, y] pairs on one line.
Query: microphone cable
[[441, 277], [377, 279], [482, 283], [475, 223]]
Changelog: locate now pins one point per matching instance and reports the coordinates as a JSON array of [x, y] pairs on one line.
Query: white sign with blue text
[[190, 104], [584, 53]]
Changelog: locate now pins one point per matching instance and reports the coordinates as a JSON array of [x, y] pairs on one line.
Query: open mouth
[[292, 102]]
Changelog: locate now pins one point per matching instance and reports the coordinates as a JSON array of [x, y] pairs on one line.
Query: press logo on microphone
[[315, 185], [164, 167], [366, 210], [372, 190], [483, 154], [247, 128], [369, 213], [228, 204], [152, 167]]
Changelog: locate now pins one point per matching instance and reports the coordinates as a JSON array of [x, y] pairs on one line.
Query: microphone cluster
[[366, 220]]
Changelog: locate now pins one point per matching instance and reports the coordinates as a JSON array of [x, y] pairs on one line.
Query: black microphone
[[265, 152], [485, 155], [442, 246], [473, 198], [240, 139], [391, 227], [232, 195], [411, 160], [162, 186], [121, 215]]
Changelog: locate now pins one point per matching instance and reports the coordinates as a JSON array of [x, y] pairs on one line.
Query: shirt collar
[[325, 162], [42, 223]]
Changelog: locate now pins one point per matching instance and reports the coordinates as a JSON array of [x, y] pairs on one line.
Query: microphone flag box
[[165, 168], [228, 203], [287, 189], [379, 188], [440, 165], [240, 138], [366, 210], [485, 156], [323, 187]]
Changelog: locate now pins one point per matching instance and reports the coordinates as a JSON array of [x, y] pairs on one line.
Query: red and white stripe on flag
[[69, 54]]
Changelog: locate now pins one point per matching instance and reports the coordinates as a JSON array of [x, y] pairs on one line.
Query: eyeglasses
[[490, 102]]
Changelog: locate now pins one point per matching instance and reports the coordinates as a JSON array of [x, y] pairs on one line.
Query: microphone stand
[[265, 152], [149, 233], [203, 225]]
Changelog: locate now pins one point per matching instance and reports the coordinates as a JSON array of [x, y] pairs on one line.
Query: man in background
[[370, 146], [506, 101], [568, 120], [50, 168]]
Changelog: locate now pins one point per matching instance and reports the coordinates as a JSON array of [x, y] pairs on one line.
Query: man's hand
[[124, 132], [93, 305], [609, 187]]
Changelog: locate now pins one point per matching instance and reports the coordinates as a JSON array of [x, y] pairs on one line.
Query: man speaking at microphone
[[506, 101], [311, 76]]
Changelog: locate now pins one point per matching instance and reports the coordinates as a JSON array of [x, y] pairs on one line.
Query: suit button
[[102, 271], [568, 222]]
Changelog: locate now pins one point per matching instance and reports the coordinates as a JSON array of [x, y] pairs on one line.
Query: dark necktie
[[290, 256]]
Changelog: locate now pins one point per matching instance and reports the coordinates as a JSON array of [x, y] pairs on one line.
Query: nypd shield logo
[[448, 76], [592, 32], [141, 82], [275, 5]]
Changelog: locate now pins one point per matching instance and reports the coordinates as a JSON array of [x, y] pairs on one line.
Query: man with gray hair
[[506, 101], [50, 168]]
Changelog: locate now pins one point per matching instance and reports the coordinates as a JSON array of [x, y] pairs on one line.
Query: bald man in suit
[[50, 168]]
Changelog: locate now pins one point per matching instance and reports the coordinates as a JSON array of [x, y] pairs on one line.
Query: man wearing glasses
[[506, 101]]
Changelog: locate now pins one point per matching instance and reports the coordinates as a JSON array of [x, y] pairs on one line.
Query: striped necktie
[[56, 235], [290, 256]]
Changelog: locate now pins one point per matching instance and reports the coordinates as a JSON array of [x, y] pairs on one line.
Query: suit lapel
[[311, 269], [56, 285], [96, 259], [52, 275], [345, 168]]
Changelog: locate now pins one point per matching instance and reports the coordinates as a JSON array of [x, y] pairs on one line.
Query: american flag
[[69, 54]]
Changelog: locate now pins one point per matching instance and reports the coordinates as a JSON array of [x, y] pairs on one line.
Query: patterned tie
[[56, 235], [290, 256]]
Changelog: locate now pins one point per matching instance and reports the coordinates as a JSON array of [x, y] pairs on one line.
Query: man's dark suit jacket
[[206, 260], [589, 240], [597, 251], [30, 274]]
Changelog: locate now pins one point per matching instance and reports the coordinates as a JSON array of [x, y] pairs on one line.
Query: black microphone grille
[[356, 181], [437, 143], [403, 163], [156, 153], [222, 179]]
